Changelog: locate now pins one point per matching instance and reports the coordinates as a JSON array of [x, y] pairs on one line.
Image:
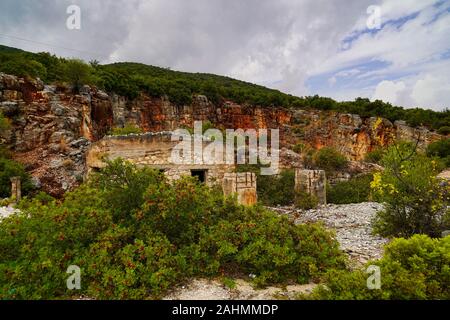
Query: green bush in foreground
[[171, 232], [415, 268], [415, 200]]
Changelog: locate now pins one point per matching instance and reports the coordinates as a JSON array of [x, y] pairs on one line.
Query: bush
[[77, 73], [171, 232], [24, 68], [415, 201], [415, 268], [329, 159], [440, 149], [355, 190], [374, 156], [445, 130], [4, 123], [8, 169], [276, 190], [127, 129], [305, 201]]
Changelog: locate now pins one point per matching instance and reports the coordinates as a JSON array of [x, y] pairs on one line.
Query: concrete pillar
[[313, 182], [16, 189], [243, 184]]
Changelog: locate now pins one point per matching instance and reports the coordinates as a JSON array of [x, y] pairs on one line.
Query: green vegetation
[[127, 129], [129, 79], [355, 190], [329, 159], [276, 190], [374, 156], [4, 123], [77, 73], [305, 201], [279, 190], [415, 268], [415, 201], [10, 168], [440, 149], [166, 234]]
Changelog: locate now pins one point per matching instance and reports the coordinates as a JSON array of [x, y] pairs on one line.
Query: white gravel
[[7, 211], [352, 224], [213, 289]]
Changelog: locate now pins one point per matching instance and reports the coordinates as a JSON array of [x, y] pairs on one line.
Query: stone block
[[312, 182]]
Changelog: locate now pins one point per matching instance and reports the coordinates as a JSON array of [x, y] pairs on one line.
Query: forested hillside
[[129, 79]]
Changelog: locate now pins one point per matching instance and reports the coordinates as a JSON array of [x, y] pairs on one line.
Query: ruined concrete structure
[[16, 189], [312, 182], [152, 150], [243, 184]]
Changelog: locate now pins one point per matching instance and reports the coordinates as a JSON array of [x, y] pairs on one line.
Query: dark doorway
[[200, 174]]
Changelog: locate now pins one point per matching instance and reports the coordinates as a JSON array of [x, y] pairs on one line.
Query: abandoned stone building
[[154, 150]]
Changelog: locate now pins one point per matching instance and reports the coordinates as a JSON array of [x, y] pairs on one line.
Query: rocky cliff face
[[52, 127], [352, 135]]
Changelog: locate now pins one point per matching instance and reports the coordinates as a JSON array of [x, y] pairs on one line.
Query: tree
[[415, 200], [77, 73]]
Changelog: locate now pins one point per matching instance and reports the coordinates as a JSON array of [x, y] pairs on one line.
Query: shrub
[[445, 130], [329, 159], [415, 201], [171, 232], [276, 190], [24, 68], [355, 190], [123, 184], [77, 73], [440, 149], [127, 129], [415, 268], [38, 246], [305, 201], [374, 156], [8, 169], [4, 123]]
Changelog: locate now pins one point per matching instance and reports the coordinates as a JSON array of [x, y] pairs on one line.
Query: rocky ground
[[351, 223], [203, 289], [7, 211]]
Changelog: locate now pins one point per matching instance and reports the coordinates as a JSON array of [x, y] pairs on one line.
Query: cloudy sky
[[332, 48]]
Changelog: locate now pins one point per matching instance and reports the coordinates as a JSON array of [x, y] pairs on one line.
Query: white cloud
[[388, 91], [431, 92], [283, 43]]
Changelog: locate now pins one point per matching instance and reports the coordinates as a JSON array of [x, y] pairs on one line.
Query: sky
[[394, 50]]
